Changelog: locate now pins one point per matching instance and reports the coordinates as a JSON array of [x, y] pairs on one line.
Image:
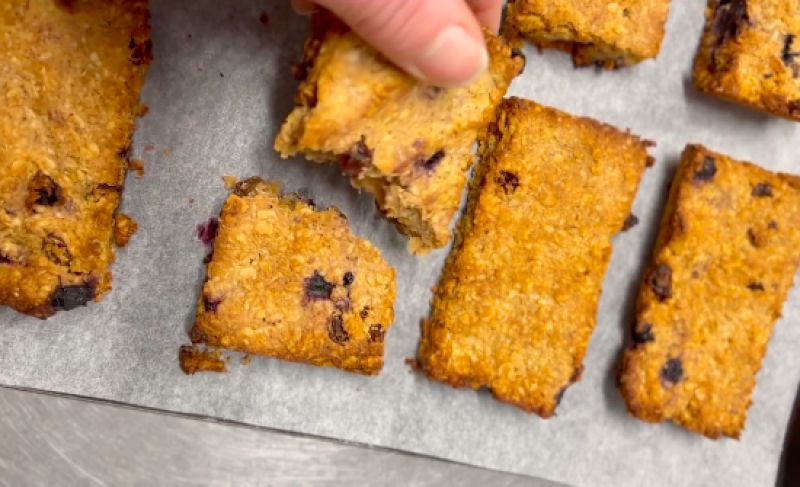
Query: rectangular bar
[[724, 261], [290, 281], [71, 73], [750, 54], [611, 34], [517, 300], [407, 143]]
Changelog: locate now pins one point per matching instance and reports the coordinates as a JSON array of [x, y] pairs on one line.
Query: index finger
[[488, 12]]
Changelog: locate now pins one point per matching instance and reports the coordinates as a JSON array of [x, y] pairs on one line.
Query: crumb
[[191, 200], [124, 227], [264, 18], [149, 147], [167, 152], [200, 67], [188, 36], [207, 230], [138, 166], [230, 181], [228, 358], [413, 364], [142, 109], [246, 359], [221, 75], [192, 360]]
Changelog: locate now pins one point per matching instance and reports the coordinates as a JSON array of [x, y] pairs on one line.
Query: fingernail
[[453, 58]]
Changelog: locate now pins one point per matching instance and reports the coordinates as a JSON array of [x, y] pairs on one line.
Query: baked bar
[[724, 261], [611, 34], [289, 281], [70, 74], [750, 53], [517, 300], [406, 143]]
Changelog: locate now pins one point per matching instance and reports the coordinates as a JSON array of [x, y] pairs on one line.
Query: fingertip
[[304, 7], [453, 58]]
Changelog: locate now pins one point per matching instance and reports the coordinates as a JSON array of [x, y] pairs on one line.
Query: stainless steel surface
[[53, 440]]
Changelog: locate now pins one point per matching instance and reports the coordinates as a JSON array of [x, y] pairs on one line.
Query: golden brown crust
[[124, 228], [611, 34], [408, 144], [750, 54], [70, 74], [289, 281], [723, 263], [517, 300]]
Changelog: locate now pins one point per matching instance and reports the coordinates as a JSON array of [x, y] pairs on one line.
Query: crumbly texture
[[70, 73], [517, 300], [124, 228], [724, 261], [611, 34], [290, 281], [750, 54], [192, 359], [407, 143]]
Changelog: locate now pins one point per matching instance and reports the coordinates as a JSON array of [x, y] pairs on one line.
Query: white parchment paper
[[218, 90]]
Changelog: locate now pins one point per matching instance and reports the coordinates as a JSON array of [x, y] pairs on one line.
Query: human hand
[[437, 41]]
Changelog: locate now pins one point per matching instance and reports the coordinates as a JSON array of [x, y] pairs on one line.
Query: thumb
[[438, 41]]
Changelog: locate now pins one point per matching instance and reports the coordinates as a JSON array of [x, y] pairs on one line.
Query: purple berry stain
[[206, 231]]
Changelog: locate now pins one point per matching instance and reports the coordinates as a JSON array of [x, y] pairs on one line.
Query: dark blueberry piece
[[361, 152], [508, 180], [207, 231], [429, 164], [755, 286], [364, 312], [67, 298], [762, 190], [661, 281], [517, 52], [4, 259], [731, 17], [142, 53], [643, 335], [707, 170], [787, 55], [376, 332], [773, 225], [43, 190], [55, 249], [316, 287], [348, 278], [300, 70], [630, 222], [431, 92], [336, 329], [208, 258], [211, 303], [672, 370], [560, 396]]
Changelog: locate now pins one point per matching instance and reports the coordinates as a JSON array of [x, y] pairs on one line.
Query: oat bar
[[407, 143], [291, 281], [517, 300], [611, 34], [70, 74], [723, 263], [750, 54]]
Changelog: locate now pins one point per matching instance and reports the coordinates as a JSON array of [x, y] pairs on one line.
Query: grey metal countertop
[[54, 440]]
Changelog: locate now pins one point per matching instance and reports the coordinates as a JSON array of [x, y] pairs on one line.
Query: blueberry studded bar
[[290, 281], [611, 34], [70, 73], [406, 143], [517, 300], [724, 261], [750, 54]]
